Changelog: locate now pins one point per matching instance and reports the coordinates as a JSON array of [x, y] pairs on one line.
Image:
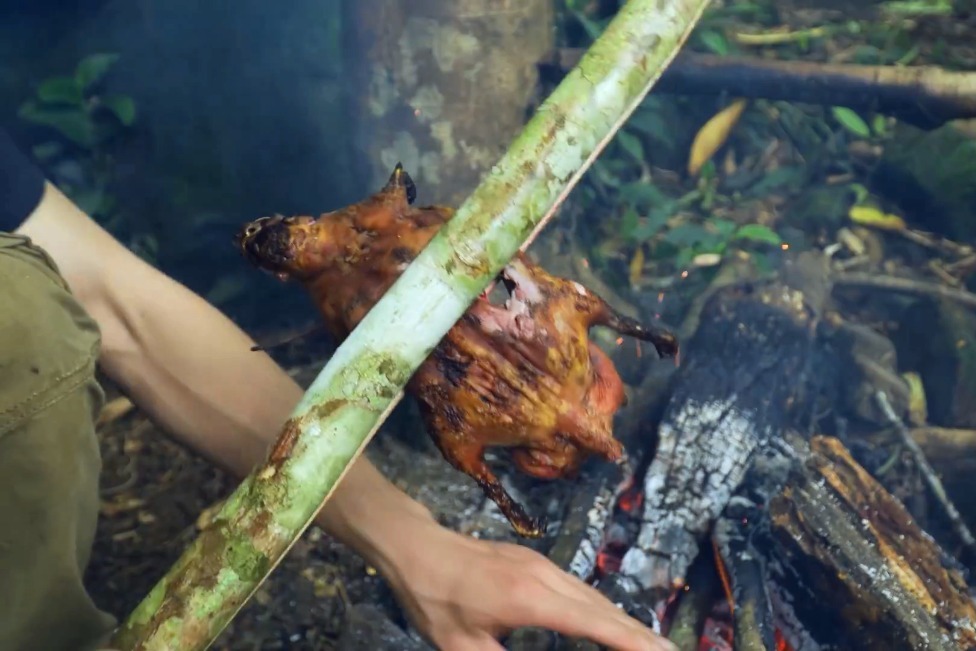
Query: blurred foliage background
[[173, 122]]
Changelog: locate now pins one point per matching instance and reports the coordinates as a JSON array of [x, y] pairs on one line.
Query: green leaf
[[629, 222], [860, 192], [72, 123], [879, 125], [788, 177], [642, 195], [93, 67], [714, 41], [604, 174], [631, 144], [61, 90], [724, 227], [758, 233], [851, 121], [687, 235], [684, 258], [654, 223], [650, 122], [122, 106], [707, 172]]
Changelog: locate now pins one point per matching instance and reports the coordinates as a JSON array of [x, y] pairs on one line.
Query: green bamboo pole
[[362, 382]]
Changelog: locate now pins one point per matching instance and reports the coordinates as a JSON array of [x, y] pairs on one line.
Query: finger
[[604, 625], [571, 587], [579, 590]]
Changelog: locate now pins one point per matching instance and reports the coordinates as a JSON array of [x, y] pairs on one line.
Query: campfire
[[742, 519]]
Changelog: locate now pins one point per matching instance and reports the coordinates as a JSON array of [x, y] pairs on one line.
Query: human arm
[[191, 369]]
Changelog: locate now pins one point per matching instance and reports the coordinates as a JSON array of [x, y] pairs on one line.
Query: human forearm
[[191, 369]]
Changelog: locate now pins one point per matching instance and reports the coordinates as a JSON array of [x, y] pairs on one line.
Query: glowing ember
[[608, 561], [717, 636], [631, 499]]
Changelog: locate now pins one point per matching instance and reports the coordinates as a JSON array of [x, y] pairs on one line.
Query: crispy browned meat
[[522, 375]]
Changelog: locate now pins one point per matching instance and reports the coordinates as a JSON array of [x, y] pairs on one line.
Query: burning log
[[810, 551], [846, 558], [753, 369]]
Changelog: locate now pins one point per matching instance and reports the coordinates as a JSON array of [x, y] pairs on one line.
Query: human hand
[[463, 593]]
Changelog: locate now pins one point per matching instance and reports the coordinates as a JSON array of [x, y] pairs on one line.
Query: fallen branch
[[364, 380], [905, 286], [933, 481], [926, 97]]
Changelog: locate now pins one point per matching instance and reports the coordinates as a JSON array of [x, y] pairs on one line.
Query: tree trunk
[[441, 85]]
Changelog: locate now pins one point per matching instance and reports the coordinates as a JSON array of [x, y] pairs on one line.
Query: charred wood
[[842, 540], [754, 368], [694, 604], [745, 566]]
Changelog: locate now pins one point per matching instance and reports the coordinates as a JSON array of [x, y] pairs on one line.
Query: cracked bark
[[441, 86]]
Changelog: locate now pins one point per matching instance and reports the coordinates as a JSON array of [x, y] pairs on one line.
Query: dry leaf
[[713, 135], [637, 266], [703, 260], [852, 242], [917, 406], [114, 410], [875, 218]]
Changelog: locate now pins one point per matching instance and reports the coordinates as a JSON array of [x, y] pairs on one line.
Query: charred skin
[[523, 375]]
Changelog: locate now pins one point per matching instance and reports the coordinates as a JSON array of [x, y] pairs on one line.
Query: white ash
[[584, 560], [704, 452]]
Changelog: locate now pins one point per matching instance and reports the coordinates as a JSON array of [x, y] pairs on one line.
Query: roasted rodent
[[522, 375]]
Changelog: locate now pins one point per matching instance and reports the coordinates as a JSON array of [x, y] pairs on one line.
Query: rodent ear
[[399, 179]]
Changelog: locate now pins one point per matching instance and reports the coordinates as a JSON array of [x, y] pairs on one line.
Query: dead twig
[[935, 242], [905, 286], [963, 267], [928, 473]]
